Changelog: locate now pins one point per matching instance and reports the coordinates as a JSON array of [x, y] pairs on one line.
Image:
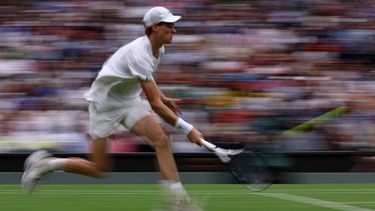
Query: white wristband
[[183, 126]]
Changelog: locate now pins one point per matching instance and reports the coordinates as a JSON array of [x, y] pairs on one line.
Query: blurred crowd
[[246, 71]]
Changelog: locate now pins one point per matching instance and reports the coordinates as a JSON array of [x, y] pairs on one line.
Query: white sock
[[174, 188], [56, 163]]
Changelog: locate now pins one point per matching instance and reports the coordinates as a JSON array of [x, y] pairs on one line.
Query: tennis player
[[115, 99]]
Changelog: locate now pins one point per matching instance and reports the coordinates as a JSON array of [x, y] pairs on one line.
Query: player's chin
[[169, 40]]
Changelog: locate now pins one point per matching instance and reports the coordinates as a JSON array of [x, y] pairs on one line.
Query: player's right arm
[[152, 93]]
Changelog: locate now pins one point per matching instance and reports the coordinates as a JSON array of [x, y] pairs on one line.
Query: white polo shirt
[[118, 81]]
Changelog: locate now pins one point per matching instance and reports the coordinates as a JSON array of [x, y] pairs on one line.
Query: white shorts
[[104, 119]]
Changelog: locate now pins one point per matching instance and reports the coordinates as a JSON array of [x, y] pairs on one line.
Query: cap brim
[[171, 19]]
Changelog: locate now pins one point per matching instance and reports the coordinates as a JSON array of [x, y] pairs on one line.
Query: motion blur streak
[[245, 70]]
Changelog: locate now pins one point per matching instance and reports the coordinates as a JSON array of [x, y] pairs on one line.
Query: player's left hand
[[172, 104]]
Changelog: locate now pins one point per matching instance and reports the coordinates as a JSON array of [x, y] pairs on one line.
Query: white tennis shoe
[[179, 207], [187, 204], [176, 203], [34, 170]]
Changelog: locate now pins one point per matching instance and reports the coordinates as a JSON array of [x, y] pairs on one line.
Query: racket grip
[[208, 145]]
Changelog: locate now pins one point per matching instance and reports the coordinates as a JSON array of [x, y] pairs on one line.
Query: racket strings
[[252, 170]]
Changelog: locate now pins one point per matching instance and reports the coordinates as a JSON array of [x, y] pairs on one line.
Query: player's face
[[166, 32]]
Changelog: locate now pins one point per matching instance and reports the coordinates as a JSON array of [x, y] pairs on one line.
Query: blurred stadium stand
[[245, 70]]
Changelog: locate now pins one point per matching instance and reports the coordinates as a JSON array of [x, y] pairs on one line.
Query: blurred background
[[246, 71]]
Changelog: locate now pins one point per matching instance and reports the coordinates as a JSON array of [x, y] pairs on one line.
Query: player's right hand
[[195, 136]]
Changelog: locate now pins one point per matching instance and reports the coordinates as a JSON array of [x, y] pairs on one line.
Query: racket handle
[[208, 145], [221, 153]]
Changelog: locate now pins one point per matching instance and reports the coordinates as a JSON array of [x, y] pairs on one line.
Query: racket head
[[251, 170]]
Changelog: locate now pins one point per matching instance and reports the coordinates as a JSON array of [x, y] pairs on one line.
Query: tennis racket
[[247, 167]]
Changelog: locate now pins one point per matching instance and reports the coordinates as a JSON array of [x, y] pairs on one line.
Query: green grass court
[[280, 197]]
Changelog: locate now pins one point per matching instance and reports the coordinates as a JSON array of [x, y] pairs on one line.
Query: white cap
[[159, 14]]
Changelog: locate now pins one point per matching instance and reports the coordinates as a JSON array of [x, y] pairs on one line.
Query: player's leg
[[101, 123], [149, 128], [98, 162], [177, 198], [40, 163]]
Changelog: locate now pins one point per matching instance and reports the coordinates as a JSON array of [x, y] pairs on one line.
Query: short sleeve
[[140, 67]]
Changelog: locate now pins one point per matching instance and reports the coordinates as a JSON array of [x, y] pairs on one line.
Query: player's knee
[[162, 142], [98, 170]]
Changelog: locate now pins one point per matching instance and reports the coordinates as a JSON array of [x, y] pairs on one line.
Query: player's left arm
[[170, 102]]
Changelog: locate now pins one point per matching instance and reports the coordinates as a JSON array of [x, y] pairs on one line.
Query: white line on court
[[314, 202]]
